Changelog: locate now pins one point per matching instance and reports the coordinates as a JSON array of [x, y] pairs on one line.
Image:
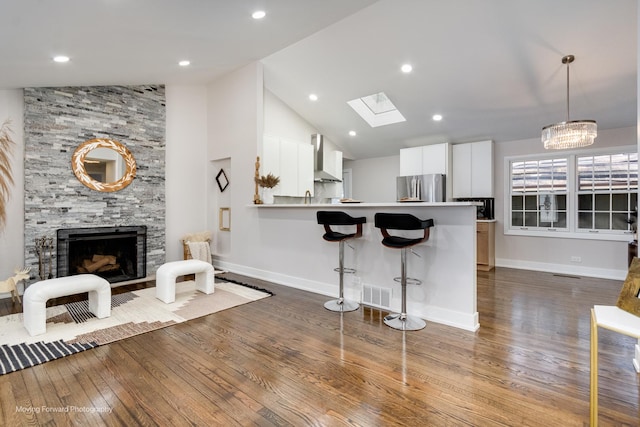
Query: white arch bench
[[167, 274], [37, 294]]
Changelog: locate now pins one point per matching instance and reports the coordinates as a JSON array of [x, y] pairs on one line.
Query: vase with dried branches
[[267, 183], [6, 178]]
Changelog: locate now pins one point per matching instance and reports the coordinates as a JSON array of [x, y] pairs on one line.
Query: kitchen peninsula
[[446, 263]]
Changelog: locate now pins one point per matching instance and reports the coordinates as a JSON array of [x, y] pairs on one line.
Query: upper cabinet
[[424, 160], [292, 161], [472, 169], [428, 159]]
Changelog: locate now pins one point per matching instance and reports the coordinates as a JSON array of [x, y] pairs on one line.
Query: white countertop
[[367, 205]]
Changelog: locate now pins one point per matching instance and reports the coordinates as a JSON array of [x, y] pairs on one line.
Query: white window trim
[[572, 212]]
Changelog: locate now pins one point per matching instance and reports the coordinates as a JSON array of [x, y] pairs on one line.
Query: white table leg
[[594, 371]]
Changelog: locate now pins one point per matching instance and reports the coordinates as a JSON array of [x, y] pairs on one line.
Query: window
[[539, 193], [574, 195], [607, 191]]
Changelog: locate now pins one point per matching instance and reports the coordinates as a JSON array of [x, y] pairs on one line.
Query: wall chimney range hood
[[322, 170]]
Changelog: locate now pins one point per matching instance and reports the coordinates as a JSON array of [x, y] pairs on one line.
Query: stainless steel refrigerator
[[421, 188]]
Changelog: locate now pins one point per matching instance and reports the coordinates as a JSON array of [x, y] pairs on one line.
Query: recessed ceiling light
[[258, 14], [184, 63], [61, 58], [313, 97], [406, 68], [352, 133], [437, 117]]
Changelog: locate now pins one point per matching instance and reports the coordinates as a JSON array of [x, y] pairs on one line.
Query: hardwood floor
[[287, 361]]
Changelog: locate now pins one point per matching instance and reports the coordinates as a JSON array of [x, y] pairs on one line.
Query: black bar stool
[[329, 218], [401, 221]]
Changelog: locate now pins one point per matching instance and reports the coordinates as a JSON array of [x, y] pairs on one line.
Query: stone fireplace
[[114, 253], [56, 122]]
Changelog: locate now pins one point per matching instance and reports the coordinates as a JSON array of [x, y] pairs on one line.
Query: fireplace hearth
[[116, 253]]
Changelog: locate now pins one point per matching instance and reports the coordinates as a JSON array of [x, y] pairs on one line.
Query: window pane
[[619, 202], [633, 204], [517, 203], [517, 176], [585, 173], [602, 221], [517, 219], [619, 172], [620, 221], [545, 176], [585, 202], [531, 203], [562, 220], [603, 202], [585, 220], [531, 176], [560, 174], [601, 172], [633, 170], [530, 219], [561, 202]]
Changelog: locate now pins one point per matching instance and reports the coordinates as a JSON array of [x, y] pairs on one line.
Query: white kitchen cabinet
[[435, 159], [305, 169], [426, 159], [472, 171], [270, 160], [411, 161], [288, 185], [290, 160]]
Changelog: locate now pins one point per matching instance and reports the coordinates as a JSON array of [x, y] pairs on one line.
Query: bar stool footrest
[[410, 280], [345, 270]]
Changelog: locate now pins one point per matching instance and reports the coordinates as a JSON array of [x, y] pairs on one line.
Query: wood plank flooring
[[286, 361]]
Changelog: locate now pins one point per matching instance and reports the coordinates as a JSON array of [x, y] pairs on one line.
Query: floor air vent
[[377, 297]]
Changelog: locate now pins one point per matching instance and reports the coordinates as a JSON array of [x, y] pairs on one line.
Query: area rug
[[72, 328]]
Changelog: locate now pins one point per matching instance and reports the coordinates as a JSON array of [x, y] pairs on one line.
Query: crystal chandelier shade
[[569, 134], [575, 134]]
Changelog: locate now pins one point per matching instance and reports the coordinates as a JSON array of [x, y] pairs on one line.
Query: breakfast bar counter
[[446, 263]]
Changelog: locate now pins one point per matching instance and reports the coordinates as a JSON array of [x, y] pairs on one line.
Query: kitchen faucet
[[307, 193]]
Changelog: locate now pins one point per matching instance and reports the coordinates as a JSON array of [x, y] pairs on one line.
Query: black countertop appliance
[[485, 211]]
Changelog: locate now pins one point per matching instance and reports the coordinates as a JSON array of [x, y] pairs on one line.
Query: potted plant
[[267, 183]]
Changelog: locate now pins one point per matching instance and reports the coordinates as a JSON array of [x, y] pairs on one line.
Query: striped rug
[[71, 328]]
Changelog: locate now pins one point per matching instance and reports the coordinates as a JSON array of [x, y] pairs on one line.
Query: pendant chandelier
[[571, 133]]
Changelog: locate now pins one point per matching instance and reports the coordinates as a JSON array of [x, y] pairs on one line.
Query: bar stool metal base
[[404, 322], [341, 305]]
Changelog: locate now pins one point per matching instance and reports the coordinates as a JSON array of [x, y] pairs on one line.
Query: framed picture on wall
[[222, 180]]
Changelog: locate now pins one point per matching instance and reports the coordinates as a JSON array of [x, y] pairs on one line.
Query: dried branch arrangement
[[268, 181], [6, 178]]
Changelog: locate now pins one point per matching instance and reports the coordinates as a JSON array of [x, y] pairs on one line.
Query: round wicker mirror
[[103, 165]]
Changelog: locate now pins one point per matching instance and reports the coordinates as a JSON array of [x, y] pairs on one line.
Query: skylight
[[377, 110]]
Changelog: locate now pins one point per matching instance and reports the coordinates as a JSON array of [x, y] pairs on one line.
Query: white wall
[[605, 259], [374, 180], [186, 185], [12, 235], [282, 121], [235, 128]]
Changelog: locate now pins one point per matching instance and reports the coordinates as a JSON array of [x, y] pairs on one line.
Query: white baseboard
[[601, 273], [468, 322], [281, 279], [433, 314]]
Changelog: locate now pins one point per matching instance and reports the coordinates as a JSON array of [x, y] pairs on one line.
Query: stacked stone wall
[[56, 121]]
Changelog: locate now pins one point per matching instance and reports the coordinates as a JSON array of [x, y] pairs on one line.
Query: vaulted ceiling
[[492, 68]]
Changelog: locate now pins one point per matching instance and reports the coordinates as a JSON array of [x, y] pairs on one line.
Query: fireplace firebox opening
[[116, 253]]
